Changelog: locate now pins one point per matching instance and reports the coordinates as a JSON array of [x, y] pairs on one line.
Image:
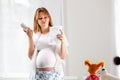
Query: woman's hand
[[60, 36], [63, 51], [29, 32]]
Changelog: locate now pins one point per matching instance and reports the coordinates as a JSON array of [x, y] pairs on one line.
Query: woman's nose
[[43, 19]]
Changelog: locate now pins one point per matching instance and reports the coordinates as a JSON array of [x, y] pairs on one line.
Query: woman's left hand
[[60, 36]]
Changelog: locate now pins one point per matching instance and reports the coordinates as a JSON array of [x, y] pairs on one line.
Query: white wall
[[90, 29]]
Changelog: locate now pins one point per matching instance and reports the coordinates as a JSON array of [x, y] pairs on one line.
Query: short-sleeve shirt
[[48, 46]]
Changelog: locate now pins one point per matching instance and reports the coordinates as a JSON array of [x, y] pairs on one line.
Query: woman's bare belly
[[46, 69]]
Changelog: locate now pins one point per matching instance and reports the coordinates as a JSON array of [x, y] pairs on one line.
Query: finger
[[27, 30], [60, 36], [24, 30], [61, 31]]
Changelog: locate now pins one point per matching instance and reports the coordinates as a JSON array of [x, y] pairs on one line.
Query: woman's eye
[[39, 18], [42, 18]]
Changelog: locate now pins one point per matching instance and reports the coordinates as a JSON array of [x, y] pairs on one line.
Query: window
[[13, 39]]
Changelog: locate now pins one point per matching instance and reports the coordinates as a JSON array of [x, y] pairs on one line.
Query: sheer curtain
[[14, 43]]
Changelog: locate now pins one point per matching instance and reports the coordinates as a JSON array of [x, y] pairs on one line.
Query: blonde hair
[[37, 27]]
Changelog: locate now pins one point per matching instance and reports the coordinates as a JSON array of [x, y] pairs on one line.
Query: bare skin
[[43, 21]]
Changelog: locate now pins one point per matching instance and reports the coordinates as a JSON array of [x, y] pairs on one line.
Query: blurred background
[[92, 28]]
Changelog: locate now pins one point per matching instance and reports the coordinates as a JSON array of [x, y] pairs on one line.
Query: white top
[[49, 48], [46, 55]]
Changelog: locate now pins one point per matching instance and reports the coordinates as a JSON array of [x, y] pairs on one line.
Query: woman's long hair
[[37, 27]]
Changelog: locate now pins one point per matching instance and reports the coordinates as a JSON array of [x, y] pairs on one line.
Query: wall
[[90, 30]]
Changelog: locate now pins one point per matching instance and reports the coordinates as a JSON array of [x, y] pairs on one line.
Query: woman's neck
[[45, 31]]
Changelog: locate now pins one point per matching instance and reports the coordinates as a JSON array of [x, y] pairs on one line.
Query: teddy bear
[[92, 68], [105, 75]]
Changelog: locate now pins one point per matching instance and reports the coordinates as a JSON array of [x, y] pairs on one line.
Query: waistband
[[46, 69]]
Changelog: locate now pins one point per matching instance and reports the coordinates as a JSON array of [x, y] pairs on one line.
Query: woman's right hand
[[29, 32]]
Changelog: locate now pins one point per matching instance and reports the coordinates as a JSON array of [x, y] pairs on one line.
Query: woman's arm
[[29, 33], [63, 50], [30, 48]]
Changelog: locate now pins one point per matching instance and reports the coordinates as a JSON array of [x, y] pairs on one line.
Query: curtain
[[13, 57]]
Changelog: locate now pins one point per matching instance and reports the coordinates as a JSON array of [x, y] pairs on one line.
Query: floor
[[66, 78]]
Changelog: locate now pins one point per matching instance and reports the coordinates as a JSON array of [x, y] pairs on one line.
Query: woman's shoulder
[[57, 27], [36, 35]]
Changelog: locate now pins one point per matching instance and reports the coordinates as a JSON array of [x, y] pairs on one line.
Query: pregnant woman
[[47, 47]]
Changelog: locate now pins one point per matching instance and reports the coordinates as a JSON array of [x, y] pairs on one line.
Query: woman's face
[[43, 20]]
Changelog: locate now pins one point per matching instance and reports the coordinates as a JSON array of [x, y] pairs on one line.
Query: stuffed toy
[[92, 68], [104, 75]]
